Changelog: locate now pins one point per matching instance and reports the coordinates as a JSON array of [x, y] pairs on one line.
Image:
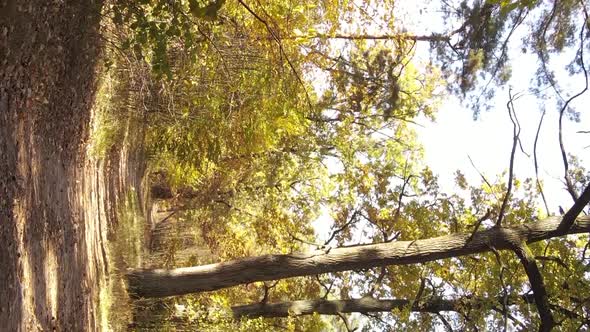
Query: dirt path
[[52, 210]]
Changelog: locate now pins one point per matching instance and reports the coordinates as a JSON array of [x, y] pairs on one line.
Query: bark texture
[[162, 282]]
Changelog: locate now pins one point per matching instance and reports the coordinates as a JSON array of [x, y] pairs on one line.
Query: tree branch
[[570, 216], [342, 228], [345, 321], [378, 281], [478, 171], [368, 305], [537, 284], [504, 289], [162, 282], [515, 137], [478, 223], [445, 322], [433, 38], [539, 186]]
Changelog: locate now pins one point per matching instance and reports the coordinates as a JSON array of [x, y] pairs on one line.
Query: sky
[[456, 136]]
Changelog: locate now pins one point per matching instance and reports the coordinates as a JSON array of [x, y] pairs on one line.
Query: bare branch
[[539, 186], [445, 322], [345, 321], [503, 53], [293, 237], [433, 38], [342, 228], [480, 173], [416, 301], [327, 288], [537, 284], [552, 259], [478, 223], [569, 185], [370, 306], [579, 205], [504, 289], [267, 288], [511, 317], [378, 280], [516, 135], [399, 204]]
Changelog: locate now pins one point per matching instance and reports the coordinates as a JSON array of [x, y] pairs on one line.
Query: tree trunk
[[161, 282], [363, 305]]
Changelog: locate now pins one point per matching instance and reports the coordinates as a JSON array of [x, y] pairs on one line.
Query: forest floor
[[56, 199]]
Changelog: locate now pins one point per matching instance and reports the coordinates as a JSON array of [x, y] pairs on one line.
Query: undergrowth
[[126, 249], [109, 121]]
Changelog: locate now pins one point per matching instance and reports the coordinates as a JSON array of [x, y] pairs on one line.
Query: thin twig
[[345, 321], [478, 223], [504, 48], [378, 281], [267, 289], [542, 49], [480, 173], [555, 259], [399, 204], [445, 322], [511, 317], [327, 288], [317, 245], [342, 228], [539, 185], [504, 288], [516, 134], [416, 302]]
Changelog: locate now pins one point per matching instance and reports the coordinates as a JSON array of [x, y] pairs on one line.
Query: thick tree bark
[[161, 282], [364, 305]]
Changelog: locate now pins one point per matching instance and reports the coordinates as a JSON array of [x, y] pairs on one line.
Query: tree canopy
[[266, 118]]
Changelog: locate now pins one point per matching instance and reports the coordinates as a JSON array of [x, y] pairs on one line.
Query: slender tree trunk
[[335, 307], [161, 282], [364, 305]]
